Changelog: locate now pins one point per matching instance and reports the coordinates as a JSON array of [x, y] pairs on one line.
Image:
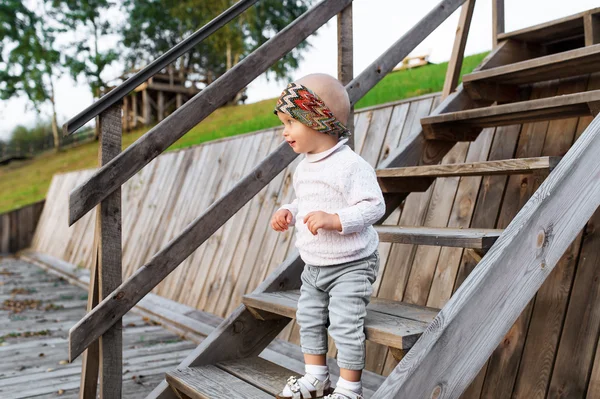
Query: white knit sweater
[[336, 181]]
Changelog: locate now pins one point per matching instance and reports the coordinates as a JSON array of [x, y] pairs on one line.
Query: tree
[[154, 26], [28, 63], [91, 21]]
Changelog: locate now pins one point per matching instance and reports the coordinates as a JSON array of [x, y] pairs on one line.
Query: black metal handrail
[[161, 62]]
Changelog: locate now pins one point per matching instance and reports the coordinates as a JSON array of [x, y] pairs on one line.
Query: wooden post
[[458, 51], [591, 26], [91, 359], [178, 101], [125, 113], [497, 20], [108, 225], [161, 106], [146, 106], [346, 58], [134, 110]]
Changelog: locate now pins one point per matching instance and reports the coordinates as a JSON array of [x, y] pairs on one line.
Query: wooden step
[[439, 236], [466, 125], [419, 178], [235, 379], [394, 324], [502, 83], [570, 29]]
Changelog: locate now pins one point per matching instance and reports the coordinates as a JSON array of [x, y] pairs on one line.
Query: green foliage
[[22, 136], [90, 19], [154, 26], [30, 63]]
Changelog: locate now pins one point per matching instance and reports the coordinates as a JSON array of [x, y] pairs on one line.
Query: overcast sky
[[377, 24]]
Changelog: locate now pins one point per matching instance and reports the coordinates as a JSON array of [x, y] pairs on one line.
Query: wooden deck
[[37, 309]]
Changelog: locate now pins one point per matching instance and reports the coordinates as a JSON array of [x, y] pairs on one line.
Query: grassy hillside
[[25, 182]]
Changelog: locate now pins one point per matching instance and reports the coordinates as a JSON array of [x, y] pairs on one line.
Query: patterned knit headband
[[305, 106]]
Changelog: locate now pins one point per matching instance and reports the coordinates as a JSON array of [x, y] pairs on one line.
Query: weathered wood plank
[[537, 329], [383, 328], [556, 66], [460, 217], [591, 28], [345, 60], [211, 382], [260, 373], [458, 51], [512, 268], [459, 125], [440, 236], [109, 256], [159, 138], [484, 168], [547, 32], [497, 20], [582, 324]]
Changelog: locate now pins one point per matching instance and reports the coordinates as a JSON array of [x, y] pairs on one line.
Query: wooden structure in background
[[157, 98], [416, 278], [17, 227]]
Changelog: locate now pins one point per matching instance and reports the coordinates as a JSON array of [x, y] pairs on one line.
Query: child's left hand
[[322, 220]]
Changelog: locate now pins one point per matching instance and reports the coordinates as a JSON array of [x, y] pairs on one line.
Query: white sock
[[319, 372], [355, 387]]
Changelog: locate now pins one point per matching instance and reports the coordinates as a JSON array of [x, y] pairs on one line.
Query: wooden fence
[[550, 349], [18, 226]]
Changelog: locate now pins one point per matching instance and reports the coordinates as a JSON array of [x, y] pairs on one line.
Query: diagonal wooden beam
[[112, 175], [468, 329], [458, 51]]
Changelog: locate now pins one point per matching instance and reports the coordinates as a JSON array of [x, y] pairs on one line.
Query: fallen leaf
[[49, 370], [61, 391], [41, 355], [63, 362]]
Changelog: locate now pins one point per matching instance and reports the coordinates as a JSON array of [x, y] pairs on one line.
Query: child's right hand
[[281, 220]]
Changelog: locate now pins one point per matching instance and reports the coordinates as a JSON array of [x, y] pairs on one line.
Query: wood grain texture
[[345, 61], [211, 382], [17, 227], [562, 65], [441, 236], [457, 126], [567, 27], [591, 28], [139, 154], [260, 373], [574, 358], [383, 328], [497, 20], [524, 255], [109, 257], [503, 364], [458, 51]]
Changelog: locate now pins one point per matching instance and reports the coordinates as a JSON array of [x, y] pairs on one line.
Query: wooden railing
[[116, 168]]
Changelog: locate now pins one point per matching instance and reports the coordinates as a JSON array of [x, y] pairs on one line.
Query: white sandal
[[341, 393], [301, 391]]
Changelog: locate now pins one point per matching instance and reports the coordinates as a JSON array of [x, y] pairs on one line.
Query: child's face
[[302, 138]]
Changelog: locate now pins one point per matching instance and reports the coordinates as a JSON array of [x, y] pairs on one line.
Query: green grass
[[25, 182]]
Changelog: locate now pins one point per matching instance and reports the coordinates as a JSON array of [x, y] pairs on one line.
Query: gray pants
[[337, 295]]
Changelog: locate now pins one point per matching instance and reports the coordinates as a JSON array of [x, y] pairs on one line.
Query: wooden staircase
[[395, 324], [226, 364]]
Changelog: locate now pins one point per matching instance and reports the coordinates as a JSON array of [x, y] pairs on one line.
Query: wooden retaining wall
[[18, 226], [551, 351]]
